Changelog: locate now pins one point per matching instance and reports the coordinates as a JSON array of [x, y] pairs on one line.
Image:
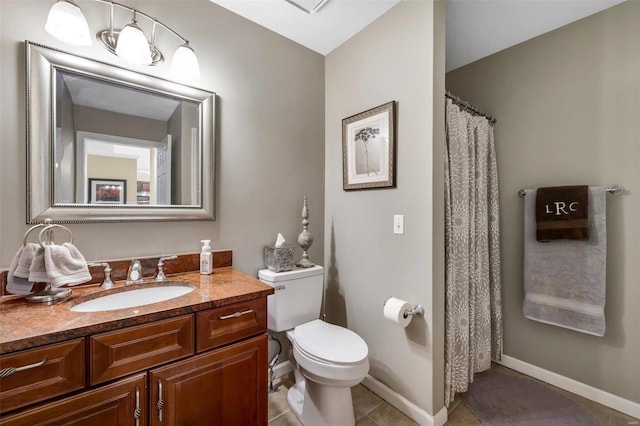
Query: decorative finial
[[305, 239]]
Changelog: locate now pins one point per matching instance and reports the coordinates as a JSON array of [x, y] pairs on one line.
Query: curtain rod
[[469, 107], [613, 189]]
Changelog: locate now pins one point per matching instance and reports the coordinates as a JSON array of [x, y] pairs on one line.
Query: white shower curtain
[[473, 317]]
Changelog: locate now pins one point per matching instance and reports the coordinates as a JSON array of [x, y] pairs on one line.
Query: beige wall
[[112, 123], [568, 107], [392, 59], [103, 167], [270, 132]]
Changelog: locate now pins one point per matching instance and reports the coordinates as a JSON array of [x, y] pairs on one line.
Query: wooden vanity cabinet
[[148, 374], [218, 388]]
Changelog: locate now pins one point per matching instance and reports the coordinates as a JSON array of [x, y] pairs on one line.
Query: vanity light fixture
[[67, 23], [185, 63], [132, 44]]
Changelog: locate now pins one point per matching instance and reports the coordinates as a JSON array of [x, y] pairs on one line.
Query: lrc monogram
[[560, 208]]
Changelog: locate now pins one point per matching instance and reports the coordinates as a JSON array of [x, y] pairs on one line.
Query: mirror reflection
[[121, 145], [108, 144]]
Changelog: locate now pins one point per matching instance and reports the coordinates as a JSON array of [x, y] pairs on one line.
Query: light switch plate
[[398, 224]]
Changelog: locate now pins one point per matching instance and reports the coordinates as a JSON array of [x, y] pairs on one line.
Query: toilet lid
[[330, 342]]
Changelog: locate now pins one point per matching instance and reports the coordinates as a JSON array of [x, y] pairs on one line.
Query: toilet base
[[321, 405]]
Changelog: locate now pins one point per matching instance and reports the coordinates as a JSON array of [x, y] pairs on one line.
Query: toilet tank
[[297, 296]]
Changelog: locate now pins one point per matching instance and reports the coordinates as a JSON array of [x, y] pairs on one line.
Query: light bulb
[[132, 45], [184, 64], [67, 23]]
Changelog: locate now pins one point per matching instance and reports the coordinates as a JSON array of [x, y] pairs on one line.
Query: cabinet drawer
[[118, 353], [226, 324], [118, 404], [42, 373]]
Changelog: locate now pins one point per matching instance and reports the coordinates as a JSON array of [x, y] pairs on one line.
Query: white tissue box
[[279, 259]]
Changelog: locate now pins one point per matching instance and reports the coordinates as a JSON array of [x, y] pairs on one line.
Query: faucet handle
[[106, 283], [161, 276]]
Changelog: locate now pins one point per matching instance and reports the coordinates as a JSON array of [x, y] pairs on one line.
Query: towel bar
[[613, 189]]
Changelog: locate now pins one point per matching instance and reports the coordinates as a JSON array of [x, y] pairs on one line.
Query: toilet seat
[[330, 354], [330, 343]]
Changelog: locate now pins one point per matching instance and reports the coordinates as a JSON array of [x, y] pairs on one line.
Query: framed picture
[[143, 186], [107, 191], [368, 149]]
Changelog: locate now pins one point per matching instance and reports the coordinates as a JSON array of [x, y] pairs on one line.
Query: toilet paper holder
[[418, 310]]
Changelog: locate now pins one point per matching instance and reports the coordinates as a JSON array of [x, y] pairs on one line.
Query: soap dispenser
[[206, 264]]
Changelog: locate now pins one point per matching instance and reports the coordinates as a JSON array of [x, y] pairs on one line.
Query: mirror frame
[[41, 63]]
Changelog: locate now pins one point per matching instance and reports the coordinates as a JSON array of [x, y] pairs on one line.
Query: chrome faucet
[[106, 283], [134, 275], [161, 276]]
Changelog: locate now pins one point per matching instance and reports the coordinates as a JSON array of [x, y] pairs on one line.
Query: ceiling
[[336, 22], [467, 22], [103, 95]]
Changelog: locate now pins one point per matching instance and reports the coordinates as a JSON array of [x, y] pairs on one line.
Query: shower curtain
[[473, 314]]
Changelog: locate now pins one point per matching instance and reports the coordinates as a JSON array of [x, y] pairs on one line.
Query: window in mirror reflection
[[110, 131]]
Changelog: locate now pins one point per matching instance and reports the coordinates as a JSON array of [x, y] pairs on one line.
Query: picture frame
[[369, 149], [107, 191]]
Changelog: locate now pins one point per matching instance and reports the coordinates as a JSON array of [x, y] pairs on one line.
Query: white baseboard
[[282, 368], [589, 392], [407, 407]]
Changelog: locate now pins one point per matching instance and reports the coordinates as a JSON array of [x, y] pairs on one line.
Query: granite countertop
[[25, 325]]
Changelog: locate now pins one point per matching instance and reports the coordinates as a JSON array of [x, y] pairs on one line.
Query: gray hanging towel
[[564, 280]]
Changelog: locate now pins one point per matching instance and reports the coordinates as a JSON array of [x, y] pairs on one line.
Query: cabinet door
[[121, 403], [224, 387]]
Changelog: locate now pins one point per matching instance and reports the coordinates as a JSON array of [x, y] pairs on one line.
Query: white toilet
[[328, 359]]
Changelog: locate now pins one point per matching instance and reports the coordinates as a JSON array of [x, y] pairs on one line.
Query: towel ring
[[49, 234], [40, 225]]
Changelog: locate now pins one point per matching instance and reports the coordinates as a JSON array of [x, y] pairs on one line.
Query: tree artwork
[[364, 135]]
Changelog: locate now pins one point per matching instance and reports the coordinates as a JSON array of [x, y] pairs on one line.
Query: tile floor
[[371, 410]]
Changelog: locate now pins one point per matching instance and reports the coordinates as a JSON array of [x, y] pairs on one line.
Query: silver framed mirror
[[107, 144]]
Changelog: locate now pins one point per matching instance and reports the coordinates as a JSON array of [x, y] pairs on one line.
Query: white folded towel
[[65, 265], [37, 270], [16, 284], [25, 257]]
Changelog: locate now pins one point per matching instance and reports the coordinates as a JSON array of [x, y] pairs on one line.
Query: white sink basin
[[133, 297]]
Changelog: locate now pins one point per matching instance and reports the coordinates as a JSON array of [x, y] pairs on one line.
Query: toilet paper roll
[[394, 309]]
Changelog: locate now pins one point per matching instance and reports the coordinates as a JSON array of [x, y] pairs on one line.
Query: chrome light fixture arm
[[149, 17], [109, 37]]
